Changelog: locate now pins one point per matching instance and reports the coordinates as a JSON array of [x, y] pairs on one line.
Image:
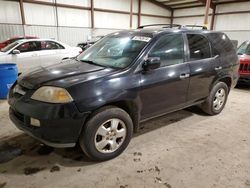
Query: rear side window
[[170, 49], [50, 45], [221, 44], [199, 47]]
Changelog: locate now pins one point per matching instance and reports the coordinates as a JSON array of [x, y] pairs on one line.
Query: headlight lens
[[52, 95]]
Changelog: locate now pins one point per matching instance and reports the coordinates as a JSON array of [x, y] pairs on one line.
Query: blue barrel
[[8, 75]]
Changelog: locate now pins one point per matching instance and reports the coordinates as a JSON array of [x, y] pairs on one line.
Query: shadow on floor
[[22, 154], [167, 119], [245, 87]]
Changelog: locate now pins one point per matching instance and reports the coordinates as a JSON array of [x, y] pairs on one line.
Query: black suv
[[99, 98]]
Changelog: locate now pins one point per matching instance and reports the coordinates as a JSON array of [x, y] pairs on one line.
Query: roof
[[178, 4], [153, 30]]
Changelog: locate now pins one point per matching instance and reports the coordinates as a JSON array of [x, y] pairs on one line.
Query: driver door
[[165, 88], [28, 58]]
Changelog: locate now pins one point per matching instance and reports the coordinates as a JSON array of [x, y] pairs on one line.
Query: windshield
[[244, 48], [115, 51], [9, 47]]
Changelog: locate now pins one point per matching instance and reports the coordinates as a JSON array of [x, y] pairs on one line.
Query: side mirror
[[16, 52], [151, 63]]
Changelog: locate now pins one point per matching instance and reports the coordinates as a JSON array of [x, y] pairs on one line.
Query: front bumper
[[244, 79], [60, 124]]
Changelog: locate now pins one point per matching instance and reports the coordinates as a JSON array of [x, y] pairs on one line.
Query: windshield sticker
[[141, 38]]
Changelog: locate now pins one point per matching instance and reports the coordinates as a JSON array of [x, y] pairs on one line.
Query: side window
[[199, 47], [51, 45], [221, 44], [29, 46], [170, 49]]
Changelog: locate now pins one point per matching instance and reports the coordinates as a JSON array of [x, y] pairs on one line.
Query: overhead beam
[[160, 4], [229, 2]]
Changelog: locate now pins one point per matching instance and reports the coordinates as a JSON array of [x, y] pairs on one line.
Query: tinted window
[[199, 47], [29, 46], [170, 49], [50, 45], [220, 43], [244, 48]]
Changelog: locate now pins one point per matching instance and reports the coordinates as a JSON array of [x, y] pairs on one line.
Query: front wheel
[[217, 99], [106, 134]]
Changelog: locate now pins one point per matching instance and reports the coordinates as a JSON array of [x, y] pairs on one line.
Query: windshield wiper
[[91, 62]]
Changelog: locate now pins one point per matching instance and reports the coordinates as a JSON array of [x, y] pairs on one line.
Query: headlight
[[52, 95]]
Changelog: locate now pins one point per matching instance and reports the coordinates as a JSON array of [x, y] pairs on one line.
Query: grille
[[245, 67], [18, 115]]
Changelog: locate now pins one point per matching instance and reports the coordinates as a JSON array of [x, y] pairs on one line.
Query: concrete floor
[[182, 149]]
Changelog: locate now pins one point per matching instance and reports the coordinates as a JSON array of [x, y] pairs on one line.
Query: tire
[[210, 106], [99, 141]]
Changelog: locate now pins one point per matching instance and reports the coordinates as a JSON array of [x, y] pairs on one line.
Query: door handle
[[218, 68], [184, 76]]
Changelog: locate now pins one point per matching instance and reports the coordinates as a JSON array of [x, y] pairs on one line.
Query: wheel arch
[[131, 107], [225, 79]]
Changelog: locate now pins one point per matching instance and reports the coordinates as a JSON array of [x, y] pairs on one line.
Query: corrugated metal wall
[[236, 26], [74, 25]]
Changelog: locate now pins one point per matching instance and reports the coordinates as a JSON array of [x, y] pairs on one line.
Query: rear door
[[201, 64], [51, 53], [165, 88]]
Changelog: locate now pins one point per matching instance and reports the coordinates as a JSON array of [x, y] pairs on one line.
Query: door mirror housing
[[151, 63], [16, 52]]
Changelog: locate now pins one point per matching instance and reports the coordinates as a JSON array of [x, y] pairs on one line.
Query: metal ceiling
[[178, 4]]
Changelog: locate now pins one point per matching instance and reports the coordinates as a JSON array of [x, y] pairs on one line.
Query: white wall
[[195, 20], [237, 26], [39, 14], [74, 24], [10, 12]]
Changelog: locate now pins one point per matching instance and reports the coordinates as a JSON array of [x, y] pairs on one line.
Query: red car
[[244, 56], [13, 39]]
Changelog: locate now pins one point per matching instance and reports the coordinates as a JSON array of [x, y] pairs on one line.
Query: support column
[[92, 14], [207, 12], [213, 17], [139, 13], [131, 14], [57, 24], [172, 18], [22, 15]]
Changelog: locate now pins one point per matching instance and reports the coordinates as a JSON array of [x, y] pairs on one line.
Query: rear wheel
[[217, 99], [106, 134]]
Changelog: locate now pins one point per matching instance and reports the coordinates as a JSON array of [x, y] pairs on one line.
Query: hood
[[2, 53], [59, 73]]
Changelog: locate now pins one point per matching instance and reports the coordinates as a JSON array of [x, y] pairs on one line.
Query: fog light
[[35, 122]]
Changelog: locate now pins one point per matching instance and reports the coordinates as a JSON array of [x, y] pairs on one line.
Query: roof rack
[[195, 26], [174, 25], [163, 26]]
